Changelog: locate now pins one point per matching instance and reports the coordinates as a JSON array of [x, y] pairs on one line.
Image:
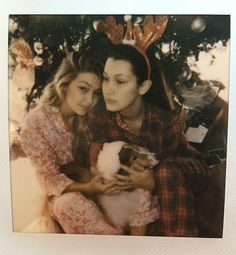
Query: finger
[[108, 186], [120, 177], [117, 190], [97, 177], [128, 169], [126, 187], [138, 167], [123, 184], [112, 191]]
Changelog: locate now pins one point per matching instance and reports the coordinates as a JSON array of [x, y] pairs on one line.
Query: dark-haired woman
[[125, 115]]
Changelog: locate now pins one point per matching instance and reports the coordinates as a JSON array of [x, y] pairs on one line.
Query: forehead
[[92, 79], [118, 66]]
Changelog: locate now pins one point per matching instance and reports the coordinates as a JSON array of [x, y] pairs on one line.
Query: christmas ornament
[[38, 47], [185, 75], [198, 25]]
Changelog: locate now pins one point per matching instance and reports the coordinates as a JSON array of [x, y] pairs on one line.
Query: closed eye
[[121, 82]]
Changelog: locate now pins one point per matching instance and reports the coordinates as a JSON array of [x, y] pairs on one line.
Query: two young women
[[48, 139]]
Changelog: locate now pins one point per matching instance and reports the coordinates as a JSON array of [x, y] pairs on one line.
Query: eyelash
[[83, 89], [117, 81], [120, 82]]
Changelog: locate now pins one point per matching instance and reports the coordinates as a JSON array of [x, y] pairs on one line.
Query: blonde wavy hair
[[54, 92], [70, 67]]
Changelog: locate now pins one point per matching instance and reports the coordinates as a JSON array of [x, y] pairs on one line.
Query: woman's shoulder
[[167, 117], [37, 116]]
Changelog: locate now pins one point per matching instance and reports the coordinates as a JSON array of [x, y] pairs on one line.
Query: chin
[[112, 108], [82, 113]]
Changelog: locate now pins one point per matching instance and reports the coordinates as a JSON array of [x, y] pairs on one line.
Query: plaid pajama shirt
[[180, 174]]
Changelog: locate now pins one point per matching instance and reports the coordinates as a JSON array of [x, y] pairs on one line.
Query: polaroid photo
[[61, 82]]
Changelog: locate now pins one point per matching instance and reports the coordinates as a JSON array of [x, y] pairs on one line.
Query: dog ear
[[127, 155]]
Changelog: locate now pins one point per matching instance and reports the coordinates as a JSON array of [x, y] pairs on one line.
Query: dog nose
[[153, 159], [155, 162]]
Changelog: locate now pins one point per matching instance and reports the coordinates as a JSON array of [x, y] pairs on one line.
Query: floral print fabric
[[48, 143]]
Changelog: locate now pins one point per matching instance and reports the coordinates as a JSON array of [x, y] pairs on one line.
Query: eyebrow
[[118, 74], [99, 89], [84, 82]]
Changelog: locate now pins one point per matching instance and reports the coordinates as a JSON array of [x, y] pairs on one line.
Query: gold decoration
[[152, 29], [22, 50]]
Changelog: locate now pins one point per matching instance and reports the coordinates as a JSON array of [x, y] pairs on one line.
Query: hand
[[97, 185], [139, 177]]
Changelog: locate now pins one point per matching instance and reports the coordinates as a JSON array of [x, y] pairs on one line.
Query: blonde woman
[[48, 139]]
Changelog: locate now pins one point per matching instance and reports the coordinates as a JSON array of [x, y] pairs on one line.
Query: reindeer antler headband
[[141, 39]]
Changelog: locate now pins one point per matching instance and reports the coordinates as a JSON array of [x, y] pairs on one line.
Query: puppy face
[[129, 153]]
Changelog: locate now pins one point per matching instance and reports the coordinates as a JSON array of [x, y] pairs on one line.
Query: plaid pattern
[[176, 198], [180, 173]]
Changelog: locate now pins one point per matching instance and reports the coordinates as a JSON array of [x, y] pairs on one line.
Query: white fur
[[119, 207], [108, 159]]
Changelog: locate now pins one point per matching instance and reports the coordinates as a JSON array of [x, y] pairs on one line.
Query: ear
[[63, 92], [145, 86]]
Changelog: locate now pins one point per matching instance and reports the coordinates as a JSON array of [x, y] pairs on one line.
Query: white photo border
[[40, 244]]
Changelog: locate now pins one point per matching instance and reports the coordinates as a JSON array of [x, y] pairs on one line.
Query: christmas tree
[[51, 37]]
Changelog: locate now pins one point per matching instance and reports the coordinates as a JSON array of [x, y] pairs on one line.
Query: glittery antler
[[139, 38], [114, 32], [153, 29]]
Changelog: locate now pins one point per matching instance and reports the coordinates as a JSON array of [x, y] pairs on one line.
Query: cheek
[[103, 89], [95, 100], [127, 97]]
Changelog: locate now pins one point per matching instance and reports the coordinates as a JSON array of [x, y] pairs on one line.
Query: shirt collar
[[147, 119]]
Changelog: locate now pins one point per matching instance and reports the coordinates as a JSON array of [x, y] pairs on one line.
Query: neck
[[65, 111], [133, 112]]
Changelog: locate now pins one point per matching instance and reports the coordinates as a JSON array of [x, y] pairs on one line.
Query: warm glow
[[214, 69]]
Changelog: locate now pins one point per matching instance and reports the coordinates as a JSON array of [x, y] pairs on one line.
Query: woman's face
[[119, 87], [83, 93]]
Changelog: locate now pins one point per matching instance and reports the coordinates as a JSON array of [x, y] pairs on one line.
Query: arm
[[43, 157], [94, 186], [174, 140], [184, 157]]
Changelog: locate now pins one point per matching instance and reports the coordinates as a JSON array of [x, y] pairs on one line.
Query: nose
[[108, 88], [89, 99]]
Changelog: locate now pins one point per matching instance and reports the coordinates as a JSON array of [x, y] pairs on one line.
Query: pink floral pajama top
[[48, 143]]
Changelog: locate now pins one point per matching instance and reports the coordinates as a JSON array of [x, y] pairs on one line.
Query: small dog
[[120, 207]]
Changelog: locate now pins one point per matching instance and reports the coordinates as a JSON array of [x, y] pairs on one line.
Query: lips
[[110, 101], [84, 108]]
